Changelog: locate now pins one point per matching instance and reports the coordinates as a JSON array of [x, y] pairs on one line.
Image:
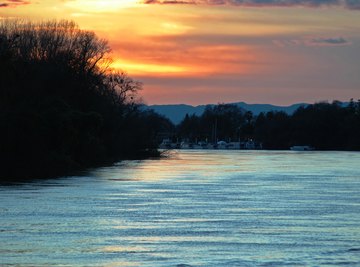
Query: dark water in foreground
[[198, 208]]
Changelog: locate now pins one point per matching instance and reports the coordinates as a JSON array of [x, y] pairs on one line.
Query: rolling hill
[[177, 112]]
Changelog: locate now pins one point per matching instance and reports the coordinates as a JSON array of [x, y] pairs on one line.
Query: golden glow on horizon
[[101, 5], [138, 68], [173, 28]]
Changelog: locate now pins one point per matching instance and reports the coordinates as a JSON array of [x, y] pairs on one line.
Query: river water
[[195, 208]]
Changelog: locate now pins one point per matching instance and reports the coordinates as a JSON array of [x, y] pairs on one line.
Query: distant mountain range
[[176, 113]]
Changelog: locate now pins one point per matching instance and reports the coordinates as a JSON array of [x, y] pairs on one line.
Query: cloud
[[353, 4], [13, 3], [350, 4], [195, 57], [336, 41], [314, 41]]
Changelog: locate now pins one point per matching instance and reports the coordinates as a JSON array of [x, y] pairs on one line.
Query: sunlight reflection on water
[[196, 208]]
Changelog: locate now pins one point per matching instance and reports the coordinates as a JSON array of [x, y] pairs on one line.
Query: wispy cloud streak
[[337, 41], [13, 3], [314, 41], [350, 4]]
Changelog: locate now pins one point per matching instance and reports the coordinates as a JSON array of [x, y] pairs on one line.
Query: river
[[195, 208]]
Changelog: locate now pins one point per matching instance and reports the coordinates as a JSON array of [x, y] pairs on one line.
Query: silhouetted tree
[[222, 120], [61, 107]]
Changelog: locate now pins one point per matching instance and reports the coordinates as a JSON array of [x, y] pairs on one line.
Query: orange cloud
[[173, 55], [13, 3]]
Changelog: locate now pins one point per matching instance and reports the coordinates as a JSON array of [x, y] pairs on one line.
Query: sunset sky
[[210, 51]]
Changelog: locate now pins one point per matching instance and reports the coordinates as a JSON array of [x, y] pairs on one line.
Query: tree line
[[62, 108], [324, 126]]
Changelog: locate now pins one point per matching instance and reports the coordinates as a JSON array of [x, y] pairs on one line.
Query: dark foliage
[[327, 126], [221, 122], [324, 126], [61, 108]]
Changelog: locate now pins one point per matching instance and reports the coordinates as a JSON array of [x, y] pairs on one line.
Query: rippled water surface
[[196, 208]]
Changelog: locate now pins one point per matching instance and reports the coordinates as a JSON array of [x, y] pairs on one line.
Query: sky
[[220, 51]]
